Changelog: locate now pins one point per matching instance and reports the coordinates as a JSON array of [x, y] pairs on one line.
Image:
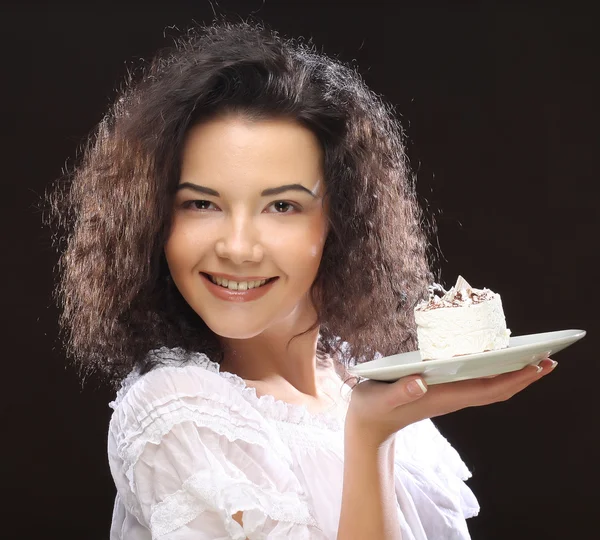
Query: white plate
[[521, 351]]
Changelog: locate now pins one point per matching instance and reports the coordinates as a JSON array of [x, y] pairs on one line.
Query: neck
[[275, 358]]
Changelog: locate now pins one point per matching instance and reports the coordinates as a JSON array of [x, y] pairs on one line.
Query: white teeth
[[237, 285]]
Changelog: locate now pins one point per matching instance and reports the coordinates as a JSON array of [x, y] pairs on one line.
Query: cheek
[[183, 247], [297, 249]]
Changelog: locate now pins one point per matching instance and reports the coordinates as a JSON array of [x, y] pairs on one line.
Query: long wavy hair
[[111, 212]]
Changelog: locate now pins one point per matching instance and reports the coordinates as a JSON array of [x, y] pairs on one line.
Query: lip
[[237, 296], [229, 277]]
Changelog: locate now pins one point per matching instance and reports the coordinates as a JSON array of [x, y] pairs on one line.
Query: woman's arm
[[369, 505], [376, 412]]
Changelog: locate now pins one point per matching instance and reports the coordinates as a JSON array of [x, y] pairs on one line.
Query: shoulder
[[177, 374], [185, 387], [178, 402]]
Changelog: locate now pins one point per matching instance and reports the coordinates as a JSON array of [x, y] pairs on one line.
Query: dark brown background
[[500, 108]]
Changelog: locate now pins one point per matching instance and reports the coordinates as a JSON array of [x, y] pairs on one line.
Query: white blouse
[[190, 446]]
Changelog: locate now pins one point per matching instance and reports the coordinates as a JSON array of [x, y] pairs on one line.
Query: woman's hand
[[377, 410]]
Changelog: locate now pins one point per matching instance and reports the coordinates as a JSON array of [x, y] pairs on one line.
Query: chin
[[246, 325], [229, 332]]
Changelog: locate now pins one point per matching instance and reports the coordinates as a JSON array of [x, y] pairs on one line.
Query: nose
[[239, 241]]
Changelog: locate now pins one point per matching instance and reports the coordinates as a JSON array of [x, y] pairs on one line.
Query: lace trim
[[216, 491], [126, 385]]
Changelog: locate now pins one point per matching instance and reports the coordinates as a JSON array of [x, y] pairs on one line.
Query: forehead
[[232, 148]]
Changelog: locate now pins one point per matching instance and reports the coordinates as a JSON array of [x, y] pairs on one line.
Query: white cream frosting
[[463, 321]]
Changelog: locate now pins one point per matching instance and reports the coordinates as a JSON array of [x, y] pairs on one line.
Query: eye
[[203, 205], [284, 207]]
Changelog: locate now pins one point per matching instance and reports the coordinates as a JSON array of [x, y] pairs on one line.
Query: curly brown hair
[[112, 211]]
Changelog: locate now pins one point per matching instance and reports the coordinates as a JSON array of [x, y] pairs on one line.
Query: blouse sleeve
[[189, 453], [433, 473]]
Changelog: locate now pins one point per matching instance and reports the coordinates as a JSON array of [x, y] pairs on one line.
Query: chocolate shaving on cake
[[435, 289], [462, 294]]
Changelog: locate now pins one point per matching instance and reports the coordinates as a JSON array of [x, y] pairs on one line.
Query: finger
[[547, 364], [482, 391], [404, 391], [505, 386]]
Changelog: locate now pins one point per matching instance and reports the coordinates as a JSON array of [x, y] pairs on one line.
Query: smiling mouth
[[238, 285]]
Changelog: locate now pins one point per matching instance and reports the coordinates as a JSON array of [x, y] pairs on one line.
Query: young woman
[[242, 227]]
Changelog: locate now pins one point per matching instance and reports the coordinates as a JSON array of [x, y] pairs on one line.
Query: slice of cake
[[460, 321]]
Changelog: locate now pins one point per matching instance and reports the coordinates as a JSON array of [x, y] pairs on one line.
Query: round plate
[[521, 351]]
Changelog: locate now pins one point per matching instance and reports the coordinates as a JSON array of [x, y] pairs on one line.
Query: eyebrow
[[265, 192]]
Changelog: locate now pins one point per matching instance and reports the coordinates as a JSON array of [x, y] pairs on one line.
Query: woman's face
[[249, 208]]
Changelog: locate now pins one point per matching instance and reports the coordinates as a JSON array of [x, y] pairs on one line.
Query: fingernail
[[554, 364], [539, 369], [416, 387]]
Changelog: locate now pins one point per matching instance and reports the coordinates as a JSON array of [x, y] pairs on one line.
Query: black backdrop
[[499, 105]]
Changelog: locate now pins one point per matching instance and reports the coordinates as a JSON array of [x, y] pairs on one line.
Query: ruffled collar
[[276, 409], [268, 406]]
